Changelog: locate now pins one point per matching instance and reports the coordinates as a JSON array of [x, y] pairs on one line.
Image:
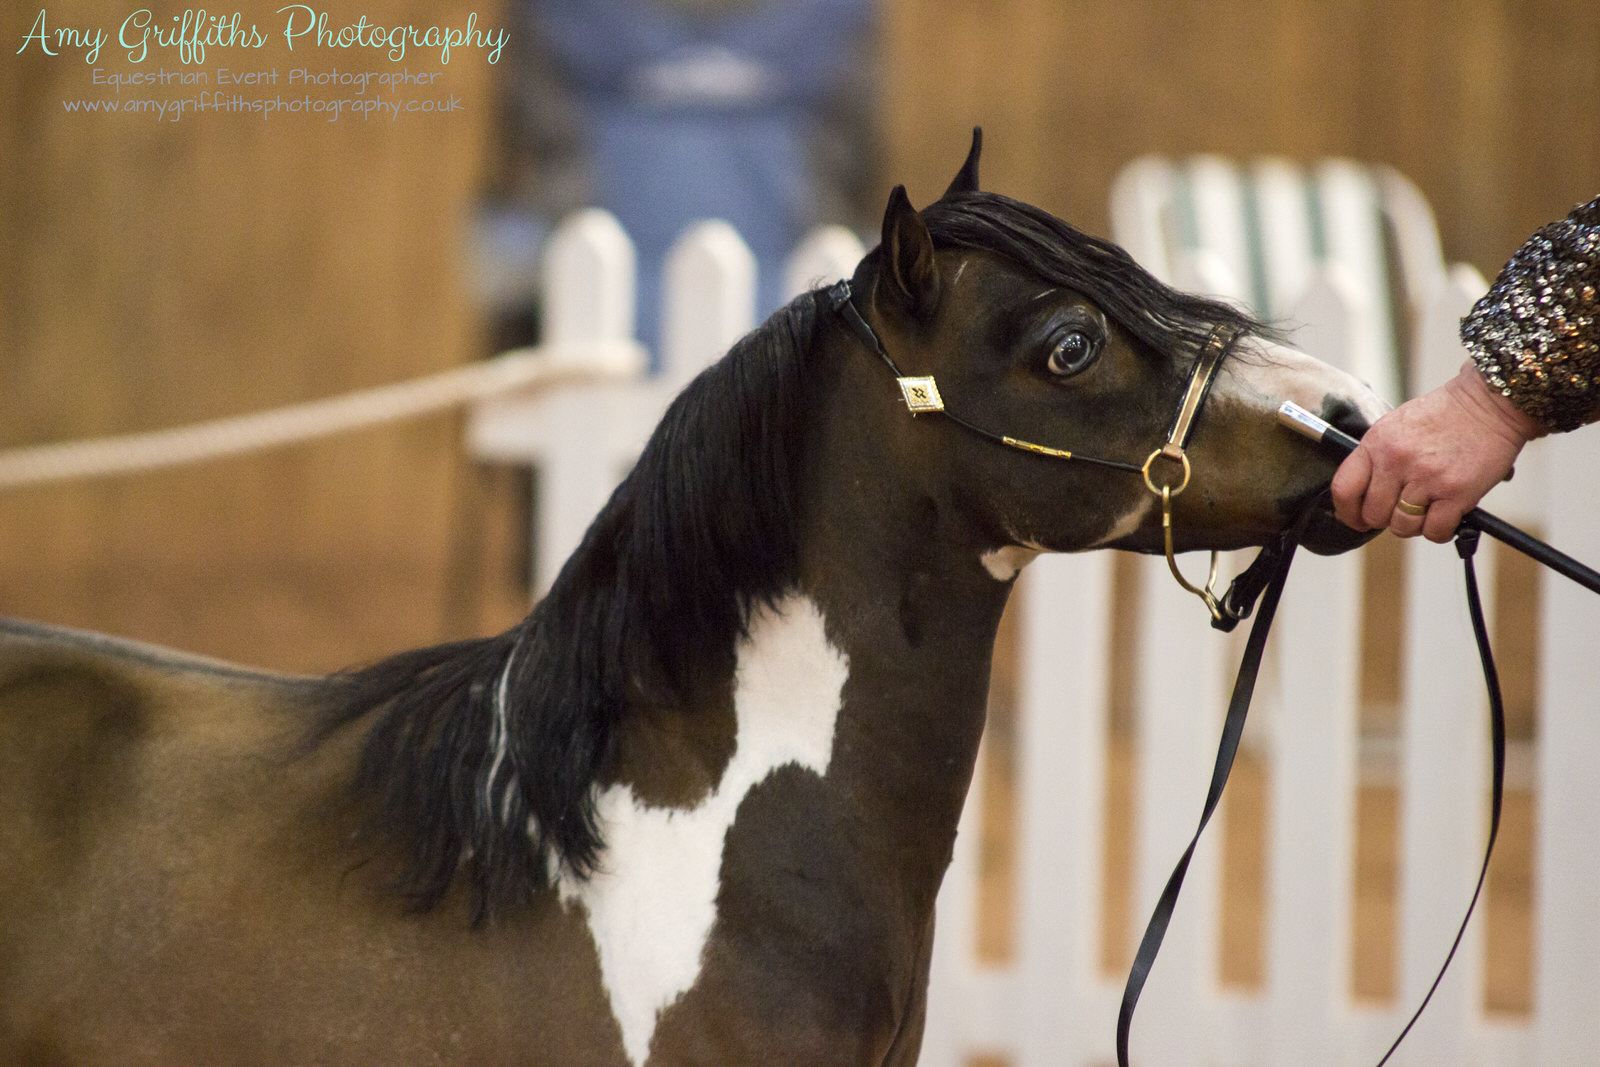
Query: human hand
[[1438, 453]]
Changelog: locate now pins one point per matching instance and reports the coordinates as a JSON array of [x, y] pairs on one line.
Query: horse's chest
[[653, 904]]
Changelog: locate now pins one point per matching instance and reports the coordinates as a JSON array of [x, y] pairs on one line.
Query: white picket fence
[[584, 439], [1050, 1003]]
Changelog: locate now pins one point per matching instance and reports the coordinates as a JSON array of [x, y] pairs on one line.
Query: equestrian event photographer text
[[193, 31]]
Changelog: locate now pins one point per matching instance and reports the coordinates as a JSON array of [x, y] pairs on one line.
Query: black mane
[[1166, 319], [483, 754], [482, 757]]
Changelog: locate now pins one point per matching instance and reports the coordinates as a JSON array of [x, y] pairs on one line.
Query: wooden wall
[[155, 273], [1491, 106]]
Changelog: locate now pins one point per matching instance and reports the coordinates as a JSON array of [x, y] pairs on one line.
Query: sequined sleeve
[[1535, 335]]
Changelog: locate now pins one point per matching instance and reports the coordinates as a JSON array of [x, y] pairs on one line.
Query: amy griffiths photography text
[[191, 33]]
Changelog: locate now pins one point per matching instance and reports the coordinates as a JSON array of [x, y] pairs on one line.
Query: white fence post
[[1063, 711], [1141, 199], [588, 281], [1416, 240], [1220, 230], [1330, 309], [1352, 226], [1283, 225], [1444, 759], [955, 1009], [1567, 909], [570, 436], [1311, 833], [827, 254], [708, 299]]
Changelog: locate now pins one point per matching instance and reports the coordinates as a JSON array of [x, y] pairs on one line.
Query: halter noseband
[[922, 396]]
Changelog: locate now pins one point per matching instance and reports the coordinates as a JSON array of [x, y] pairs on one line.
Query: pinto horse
[[695, 808]]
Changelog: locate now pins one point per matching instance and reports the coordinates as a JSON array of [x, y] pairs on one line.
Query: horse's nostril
[[1342, 414]]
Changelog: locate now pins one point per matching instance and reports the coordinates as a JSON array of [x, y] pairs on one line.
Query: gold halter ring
[[1173, 451], [1208, 592]]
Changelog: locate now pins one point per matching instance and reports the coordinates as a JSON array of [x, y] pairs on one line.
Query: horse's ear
[[966, 179], [910, 274]]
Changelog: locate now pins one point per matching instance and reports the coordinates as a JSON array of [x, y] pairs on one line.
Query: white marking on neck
[[1004, 564], [652, 904], [1130, 521]]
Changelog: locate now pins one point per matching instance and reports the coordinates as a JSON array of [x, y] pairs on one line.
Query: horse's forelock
[[1164, 318]]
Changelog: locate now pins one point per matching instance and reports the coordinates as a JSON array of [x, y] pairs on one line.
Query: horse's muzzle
[[1325, 534]]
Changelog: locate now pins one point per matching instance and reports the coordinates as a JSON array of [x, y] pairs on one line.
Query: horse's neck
[[868, 682], [838, 737], [900, 583], [918, 632], [818, 788]]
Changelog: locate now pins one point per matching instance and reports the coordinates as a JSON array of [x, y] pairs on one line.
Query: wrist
[[1496, 408]]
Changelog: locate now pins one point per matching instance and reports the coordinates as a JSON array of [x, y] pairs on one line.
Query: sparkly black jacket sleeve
[[1535, 335]]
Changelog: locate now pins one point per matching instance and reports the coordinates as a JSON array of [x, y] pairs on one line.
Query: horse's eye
[[1074, 351]]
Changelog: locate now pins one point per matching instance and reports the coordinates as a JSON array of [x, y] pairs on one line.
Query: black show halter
[[922, 396]]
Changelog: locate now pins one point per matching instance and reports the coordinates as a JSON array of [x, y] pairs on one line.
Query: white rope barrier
[[516, 371]]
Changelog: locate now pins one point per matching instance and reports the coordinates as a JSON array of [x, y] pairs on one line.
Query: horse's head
[[1042, 341]]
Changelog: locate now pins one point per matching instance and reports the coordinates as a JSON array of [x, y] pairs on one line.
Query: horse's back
[[25, 644], [123, 768], [84, 716]]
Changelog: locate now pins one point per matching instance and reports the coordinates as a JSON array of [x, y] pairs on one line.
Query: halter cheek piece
[[1171, 460]]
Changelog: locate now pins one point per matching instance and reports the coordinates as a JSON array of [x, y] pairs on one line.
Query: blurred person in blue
[[665, 112]]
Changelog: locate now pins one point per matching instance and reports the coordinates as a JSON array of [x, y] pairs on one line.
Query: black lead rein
[[1272, 565], [1267, 576], [1281, 555]]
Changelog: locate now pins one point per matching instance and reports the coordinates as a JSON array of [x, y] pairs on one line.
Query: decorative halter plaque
[[922, 395]]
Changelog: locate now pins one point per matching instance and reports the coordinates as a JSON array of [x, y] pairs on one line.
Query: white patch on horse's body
[[1132, 520], [652, 903], [1004, 564]]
